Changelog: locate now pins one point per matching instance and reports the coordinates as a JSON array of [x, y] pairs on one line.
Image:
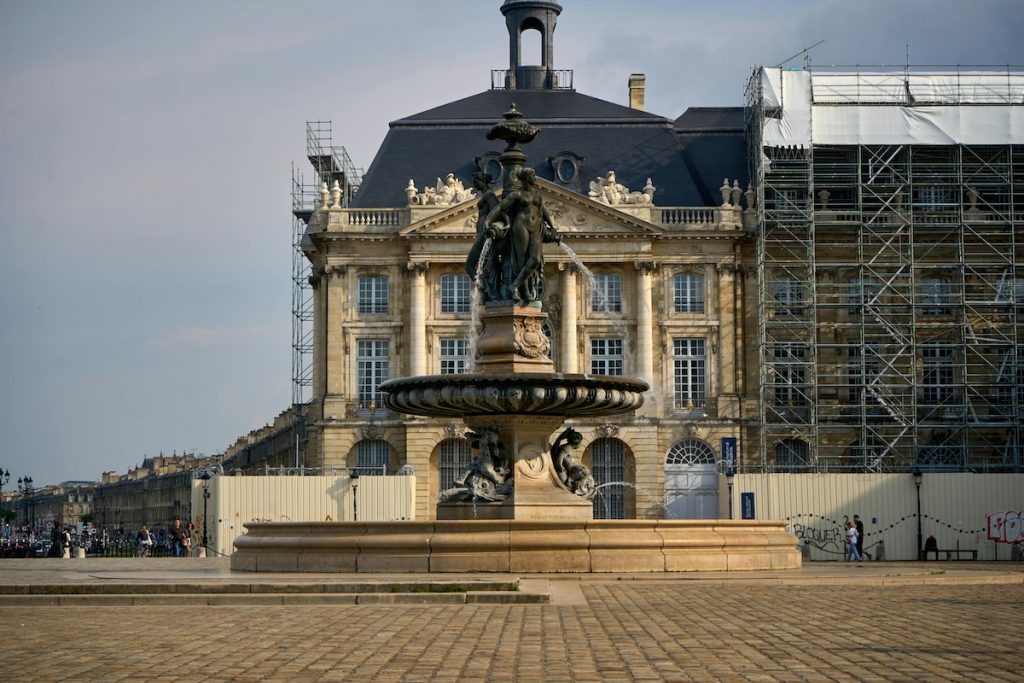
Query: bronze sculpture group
[[516, 226]]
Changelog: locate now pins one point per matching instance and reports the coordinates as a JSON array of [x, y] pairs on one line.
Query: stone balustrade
[[695, 217], [670, 217]]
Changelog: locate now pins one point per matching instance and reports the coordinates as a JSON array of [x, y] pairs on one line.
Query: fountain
[[524, 505]]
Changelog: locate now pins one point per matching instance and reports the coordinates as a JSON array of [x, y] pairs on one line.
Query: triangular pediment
[[572, 213]]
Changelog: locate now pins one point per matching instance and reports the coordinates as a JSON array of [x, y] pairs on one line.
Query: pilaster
[[727, 368], [568, 349], [645, 328], [418, 319]]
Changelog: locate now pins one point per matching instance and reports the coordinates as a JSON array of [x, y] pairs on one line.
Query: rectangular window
[[939, 373], [373, 366], [790, 374], [373, 294], [934, 199], [1009, 376], [606, 293], [863, 373], [936, 296], [454, 356], [788, 294], [1010, 290], [455, 294], [688, 293], [606, 356], [862, 292], [689, 373]]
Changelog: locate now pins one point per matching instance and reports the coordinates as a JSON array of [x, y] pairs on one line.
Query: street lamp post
[[355, 487], [918, 476], [5, 476], [730, 474], [27, 490], [205, 477]]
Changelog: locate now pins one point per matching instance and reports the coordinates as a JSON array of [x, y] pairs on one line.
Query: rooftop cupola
[[531, 15]]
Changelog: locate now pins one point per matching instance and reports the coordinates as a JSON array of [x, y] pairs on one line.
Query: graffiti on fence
[[830, 539], [1006, 527]]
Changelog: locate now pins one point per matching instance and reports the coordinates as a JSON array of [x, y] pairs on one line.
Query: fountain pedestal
[[513, 340], [537, 492]]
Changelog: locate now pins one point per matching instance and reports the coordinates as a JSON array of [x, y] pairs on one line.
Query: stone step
[[264, 599], [308, 588]]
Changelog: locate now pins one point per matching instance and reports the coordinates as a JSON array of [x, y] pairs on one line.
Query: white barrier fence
[[954, 509], [233, 501]]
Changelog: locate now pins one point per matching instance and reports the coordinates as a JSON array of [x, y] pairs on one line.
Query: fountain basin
[[470, 395], [516, 546]]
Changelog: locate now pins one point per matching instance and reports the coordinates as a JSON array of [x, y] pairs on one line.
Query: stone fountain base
[[516, 546]]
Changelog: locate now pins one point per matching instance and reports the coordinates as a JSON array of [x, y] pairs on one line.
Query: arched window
[[792, 455], [531, 39], [690, 452], [947, 456], [607, 465], [550, 334], [373, 457], [453, 458]]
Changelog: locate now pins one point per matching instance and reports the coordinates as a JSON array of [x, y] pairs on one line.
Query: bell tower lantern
[[526, 15]]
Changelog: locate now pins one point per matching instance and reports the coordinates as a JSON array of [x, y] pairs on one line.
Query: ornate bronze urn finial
[[515, 130]]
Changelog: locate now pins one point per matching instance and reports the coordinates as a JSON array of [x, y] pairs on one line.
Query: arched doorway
[[691, 481], [373, 457], [607, 458], [453, 457]]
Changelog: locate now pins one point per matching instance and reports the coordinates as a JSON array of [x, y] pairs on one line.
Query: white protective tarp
[[842, 88], [933, 125], [964, 87], [771, 86], [995, 117], [794, 126]]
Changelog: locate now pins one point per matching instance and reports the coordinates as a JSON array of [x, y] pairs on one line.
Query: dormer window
[[567, 167], [489, 164]]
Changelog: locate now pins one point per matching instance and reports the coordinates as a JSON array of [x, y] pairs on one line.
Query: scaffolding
[[891, 302], [330, 165]]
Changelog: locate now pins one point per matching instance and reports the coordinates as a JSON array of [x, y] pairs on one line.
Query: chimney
[[636, 91]]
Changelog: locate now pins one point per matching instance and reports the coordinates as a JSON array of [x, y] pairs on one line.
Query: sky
[[145, 170]]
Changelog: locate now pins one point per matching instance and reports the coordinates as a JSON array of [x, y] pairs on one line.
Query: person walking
[[859, 526], [145, 542], [177, 539], [851, 543], [56, 541]]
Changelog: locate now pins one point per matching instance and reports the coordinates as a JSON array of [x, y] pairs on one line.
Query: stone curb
[[488, 598], [253, 588], [241, 600]]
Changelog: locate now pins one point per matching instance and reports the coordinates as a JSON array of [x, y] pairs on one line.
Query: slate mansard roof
[[607, 136]]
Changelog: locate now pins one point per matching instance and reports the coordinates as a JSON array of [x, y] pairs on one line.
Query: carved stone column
[[727, 400], [569, 360], [418, 320], [645, 322]]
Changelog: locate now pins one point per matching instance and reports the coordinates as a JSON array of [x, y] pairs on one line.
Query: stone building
[[891, 263], [660, 294], [847, 300]]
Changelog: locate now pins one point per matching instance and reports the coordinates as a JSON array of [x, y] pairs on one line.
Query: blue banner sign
[[747, 504], [729, 454]]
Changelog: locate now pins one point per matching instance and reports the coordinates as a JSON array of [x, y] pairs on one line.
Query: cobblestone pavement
[[627, 630]]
